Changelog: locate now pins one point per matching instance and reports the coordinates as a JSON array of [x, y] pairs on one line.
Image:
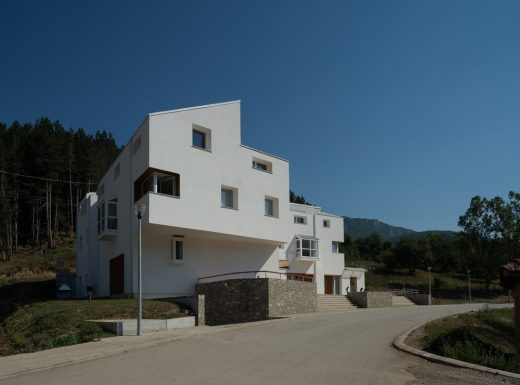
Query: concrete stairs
[[328, 302], [399, 300]]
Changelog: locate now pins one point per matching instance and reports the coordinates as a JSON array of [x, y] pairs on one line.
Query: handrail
[[254, 274], [405, 292]]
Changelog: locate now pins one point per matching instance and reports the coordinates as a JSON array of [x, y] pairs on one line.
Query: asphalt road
[[324, 348]]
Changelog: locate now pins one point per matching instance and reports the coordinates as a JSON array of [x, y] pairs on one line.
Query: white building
[[213, 207]]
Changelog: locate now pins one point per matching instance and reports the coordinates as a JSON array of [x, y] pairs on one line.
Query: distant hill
[[420, 234], [362, 227]]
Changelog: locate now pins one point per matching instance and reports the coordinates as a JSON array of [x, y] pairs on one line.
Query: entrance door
[[329, 284], [353, 284], [117, 275]]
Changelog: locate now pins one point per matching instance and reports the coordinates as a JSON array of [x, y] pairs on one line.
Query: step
[[328, 302], [401, 301]]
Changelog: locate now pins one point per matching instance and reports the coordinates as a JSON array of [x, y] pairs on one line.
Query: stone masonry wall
[[291, 297], [244, 300], [419, 299], [234, 300], [372, 299]]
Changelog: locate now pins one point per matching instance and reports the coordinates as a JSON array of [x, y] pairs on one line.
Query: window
[[262, 165], [201, 137], [136, 145], [229, 197], [271, 207], [300, 220], [177, 249], [112, 214], [326, 223], [157, 181], [117, 170], [335, 247], [107, 215], [307, 247]]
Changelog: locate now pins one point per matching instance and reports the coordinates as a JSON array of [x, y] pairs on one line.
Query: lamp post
[[469, 284], [139, 210], [429, 285]]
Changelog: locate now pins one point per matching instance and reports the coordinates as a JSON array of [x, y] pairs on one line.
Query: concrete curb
[[130, 348], [399, 343]]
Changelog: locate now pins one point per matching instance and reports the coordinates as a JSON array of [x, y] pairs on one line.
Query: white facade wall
[[216, 240]]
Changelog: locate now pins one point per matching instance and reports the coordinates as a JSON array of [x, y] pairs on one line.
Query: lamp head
[[139, 209]]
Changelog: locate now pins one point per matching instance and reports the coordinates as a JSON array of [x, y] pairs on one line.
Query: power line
[[46, 179]]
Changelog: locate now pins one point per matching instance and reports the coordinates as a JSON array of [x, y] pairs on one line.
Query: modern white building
[[213, 208]]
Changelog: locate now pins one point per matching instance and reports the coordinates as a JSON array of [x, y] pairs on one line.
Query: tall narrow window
[[112, 214], [177, 249]]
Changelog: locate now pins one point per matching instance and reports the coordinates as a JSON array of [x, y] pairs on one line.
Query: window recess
[[158, 182]]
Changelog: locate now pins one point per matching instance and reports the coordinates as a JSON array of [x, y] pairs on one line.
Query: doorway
[[117, 275], [353, 284], [332, 284]]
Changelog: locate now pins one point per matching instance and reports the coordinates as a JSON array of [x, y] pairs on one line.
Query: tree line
[[45, 170], [489, 237]]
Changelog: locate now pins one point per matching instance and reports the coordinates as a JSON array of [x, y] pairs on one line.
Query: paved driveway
[[328, 348]]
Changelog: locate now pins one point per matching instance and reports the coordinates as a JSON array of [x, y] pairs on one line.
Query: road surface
[[324, 348]]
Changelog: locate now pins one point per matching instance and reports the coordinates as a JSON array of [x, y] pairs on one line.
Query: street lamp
[[429, 285], [469, 284], [139, 210]]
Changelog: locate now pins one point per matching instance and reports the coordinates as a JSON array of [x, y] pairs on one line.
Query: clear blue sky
[[395, 110]]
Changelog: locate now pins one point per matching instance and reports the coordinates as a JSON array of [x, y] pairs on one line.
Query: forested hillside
[[45, 170]]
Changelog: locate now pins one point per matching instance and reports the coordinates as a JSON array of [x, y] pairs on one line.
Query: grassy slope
[[48, 324], [31, 319], [485, 337], [452, 286]]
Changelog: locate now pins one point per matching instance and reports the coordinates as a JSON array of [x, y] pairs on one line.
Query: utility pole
[[429, 285], [469, 284]]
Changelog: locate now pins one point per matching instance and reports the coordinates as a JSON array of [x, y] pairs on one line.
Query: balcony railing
[[255, 275]]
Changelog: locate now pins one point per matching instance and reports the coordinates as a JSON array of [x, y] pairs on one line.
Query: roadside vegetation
[[485, 337], [31, 320]]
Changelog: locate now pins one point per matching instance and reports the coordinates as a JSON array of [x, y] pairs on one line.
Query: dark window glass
[[199, 139]]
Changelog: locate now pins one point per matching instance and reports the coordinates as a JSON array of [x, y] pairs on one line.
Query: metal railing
[[405, 292], [254, 275]]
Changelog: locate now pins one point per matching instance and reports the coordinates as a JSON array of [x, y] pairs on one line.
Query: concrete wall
[[245, 300], [371, 299]]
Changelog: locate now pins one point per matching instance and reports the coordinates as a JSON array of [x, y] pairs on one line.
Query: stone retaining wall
[[419, 299], [371, 299], [244, 300]]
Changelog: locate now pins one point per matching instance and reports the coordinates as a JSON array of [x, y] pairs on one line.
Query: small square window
[[262, 165], [229, 197], [300, 220], [326, 223], [271, 207], [201, 137], [117, 170]]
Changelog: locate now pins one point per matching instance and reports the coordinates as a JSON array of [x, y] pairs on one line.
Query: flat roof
[[192, 108]]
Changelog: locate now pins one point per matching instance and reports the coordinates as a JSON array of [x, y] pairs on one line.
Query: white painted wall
[[217, 240]]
